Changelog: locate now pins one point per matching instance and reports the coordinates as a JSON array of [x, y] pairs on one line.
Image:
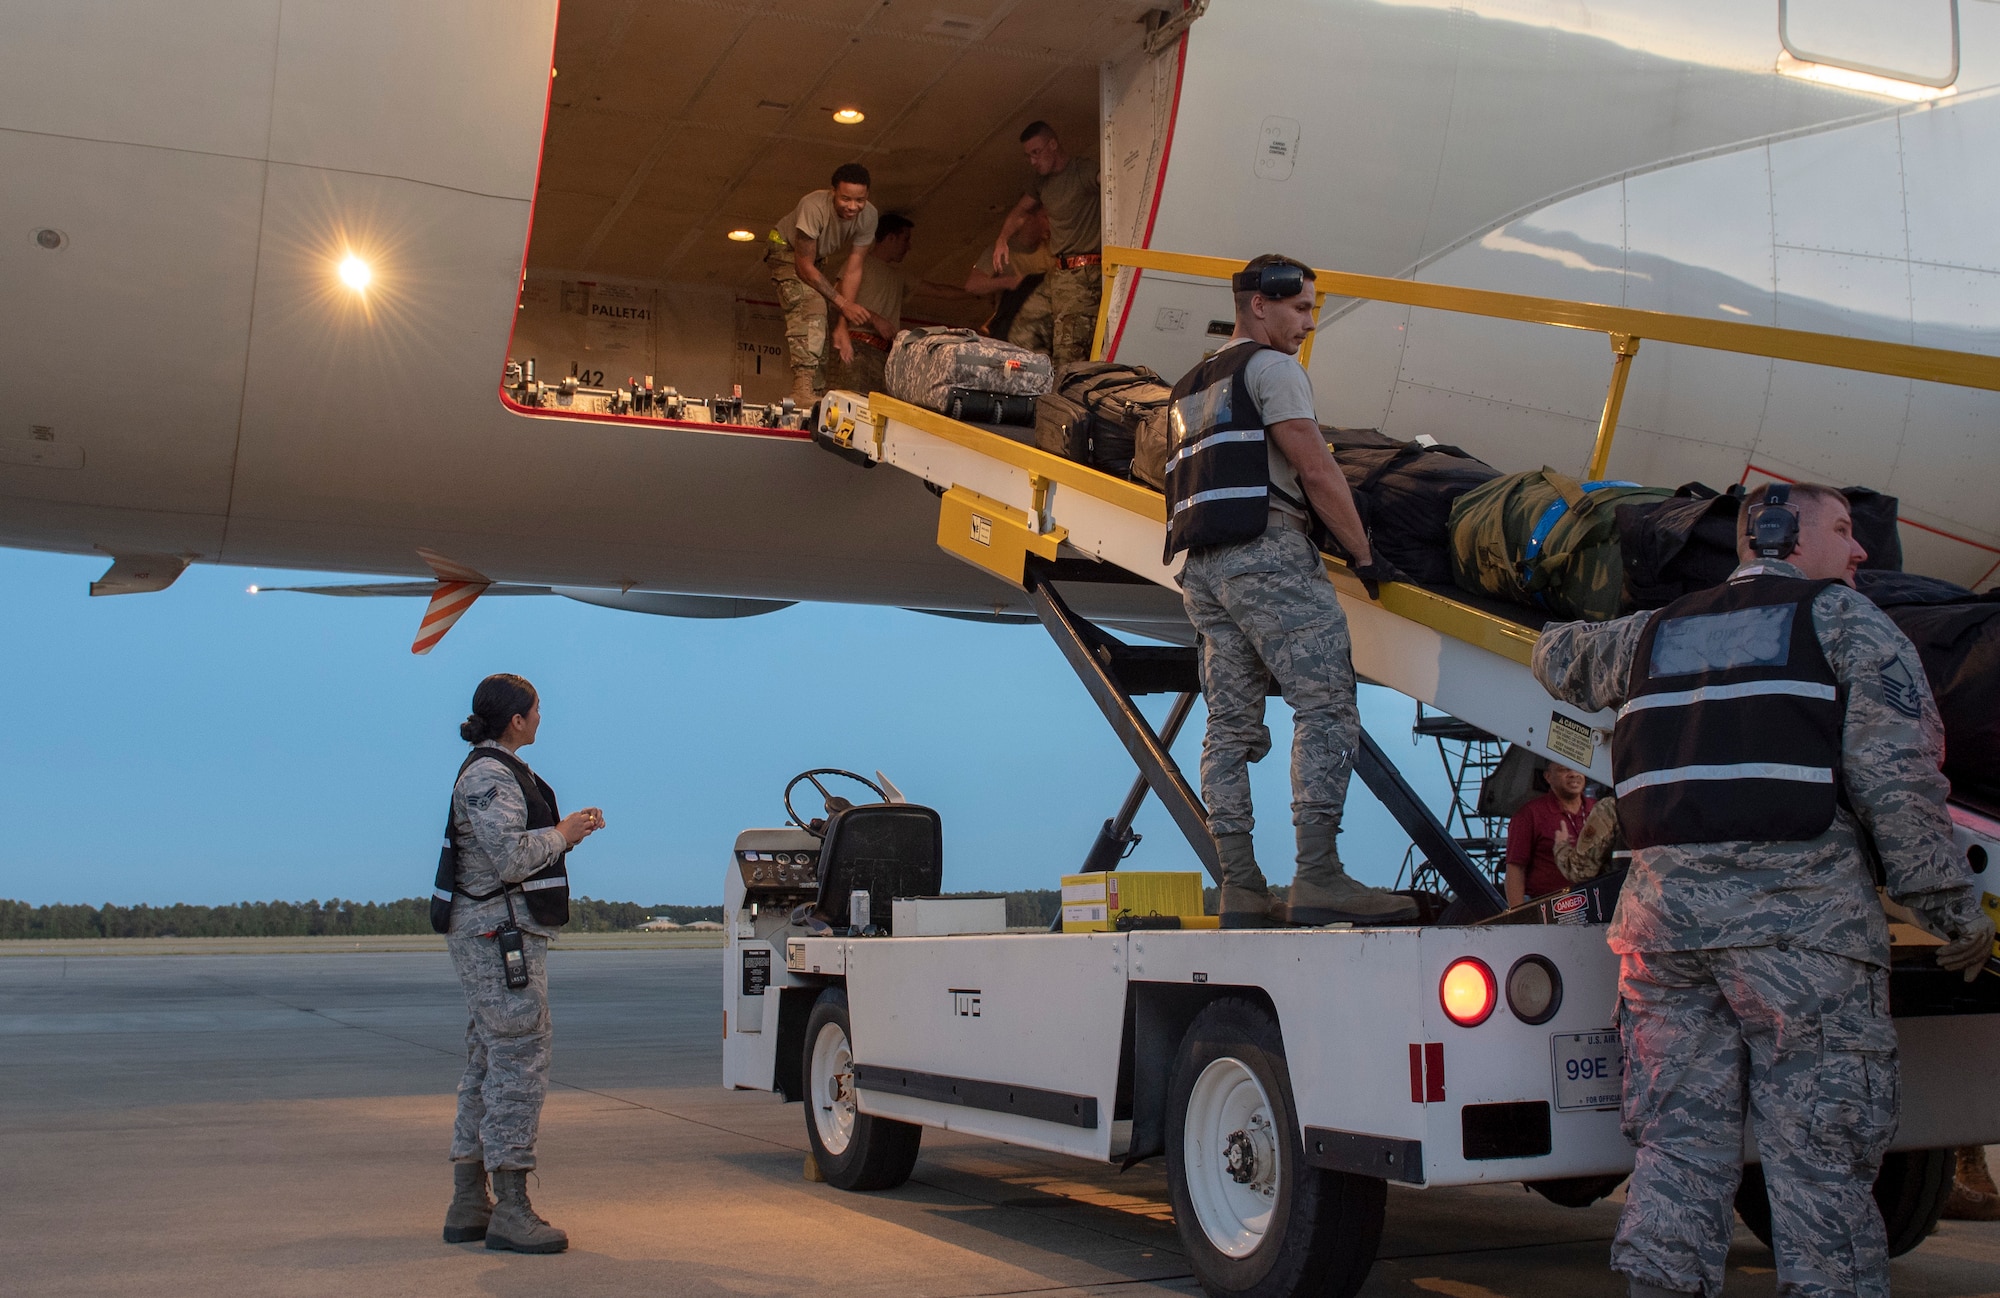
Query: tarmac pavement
[[276, 1125]]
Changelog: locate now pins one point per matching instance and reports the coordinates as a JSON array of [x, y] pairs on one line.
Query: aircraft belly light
[[355, 273]]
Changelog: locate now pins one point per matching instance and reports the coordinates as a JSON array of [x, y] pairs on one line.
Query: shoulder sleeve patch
[[1899, 689], [481, 801]]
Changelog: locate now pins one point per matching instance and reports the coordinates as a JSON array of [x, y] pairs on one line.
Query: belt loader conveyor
[[1270, 1067]]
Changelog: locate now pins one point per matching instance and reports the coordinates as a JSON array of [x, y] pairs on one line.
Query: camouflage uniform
[[508, 1033], [1265, 609], [1073, 297], [1757, 971], [805, 320], [862, 374], [1033, 323]]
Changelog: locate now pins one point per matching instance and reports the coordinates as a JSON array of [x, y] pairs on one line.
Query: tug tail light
[[1468, 992]]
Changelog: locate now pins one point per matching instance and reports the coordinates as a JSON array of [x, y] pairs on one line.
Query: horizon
[[204, 746]]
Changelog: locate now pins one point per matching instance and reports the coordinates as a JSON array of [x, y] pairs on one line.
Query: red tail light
[[1468, 992]]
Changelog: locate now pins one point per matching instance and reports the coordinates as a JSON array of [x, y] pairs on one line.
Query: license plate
[[1589, 1069]]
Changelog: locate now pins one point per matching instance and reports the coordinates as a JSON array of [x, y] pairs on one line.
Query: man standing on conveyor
[[830, 227], [1247, 466], [1066, 189], [1768, 730], [861, 354]]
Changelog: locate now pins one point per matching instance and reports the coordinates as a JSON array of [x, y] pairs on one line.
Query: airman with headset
[[1769, 731], [1249, 484]]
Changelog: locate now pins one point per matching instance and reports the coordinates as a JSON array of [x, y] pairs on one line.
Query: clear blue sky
[[205, 745]]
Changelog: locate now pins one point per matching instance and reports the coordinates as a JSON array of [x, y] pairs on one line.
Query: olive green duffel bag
[[1545, 540]]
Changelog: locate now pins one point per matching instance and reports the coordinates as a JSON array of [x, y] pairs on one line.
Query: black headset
[[1774, 523], [1275, 280]]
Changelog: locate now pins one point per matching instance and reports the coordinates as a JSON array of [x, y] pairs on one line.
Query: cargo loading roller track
[[1005, 502], [1032, 519]]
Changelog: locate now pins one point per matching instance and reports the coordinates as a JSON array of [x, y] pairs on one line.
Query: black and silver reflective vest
[[546, 891], [1218, 469], [1732, 722]]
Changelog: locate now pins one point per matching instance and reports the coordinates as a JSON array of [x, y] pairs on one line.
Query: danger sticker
[[1572, 741], [982, 530]]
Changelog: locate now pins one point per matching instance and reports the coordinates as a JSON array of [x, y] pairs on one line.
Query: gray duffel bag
[[926, 364]]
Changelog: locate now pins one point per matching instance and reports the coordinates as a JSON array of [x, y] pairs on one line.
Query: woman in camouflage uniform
[[507, 1035]]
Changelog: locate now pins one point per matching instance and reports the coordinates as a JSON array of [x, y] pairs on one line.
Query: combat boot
[[515, 1227], [465, 1221], [1246, 898], [803, 394], [1322, 892]]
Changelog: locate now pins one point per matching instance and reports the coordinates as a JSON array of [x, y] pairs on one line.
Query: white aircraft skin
[[182, 375]]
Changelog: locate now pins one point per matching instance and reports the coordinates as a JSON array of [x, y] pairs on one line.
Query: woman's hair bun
[[499, 699]]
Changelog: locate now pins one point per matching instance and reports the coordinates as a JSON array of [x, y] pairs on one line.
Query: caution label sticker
[[1572, 741]]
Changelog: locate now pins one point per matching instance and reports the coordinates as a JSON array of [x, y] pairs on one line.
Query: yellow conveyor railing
[[1625, 327]]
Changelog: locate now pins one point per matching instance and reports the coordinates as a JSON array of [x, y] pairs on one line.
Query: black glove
[[1376, 571]]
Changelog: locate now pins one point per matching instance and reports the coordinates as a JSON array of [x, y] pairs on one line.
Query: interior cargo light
[[1534, 989], [354, 272], [849, 116], [1468, 992], [742, 236]]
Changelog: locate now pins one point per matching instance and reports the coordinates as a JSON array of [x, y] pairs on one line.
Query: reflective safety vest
[[1732, 722], [1218, 471], [546, 891]]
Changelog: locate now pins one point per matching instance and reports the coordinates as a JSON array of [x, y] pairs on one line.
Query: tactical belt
[[866, 339], [1285, 518], [1081, 260]]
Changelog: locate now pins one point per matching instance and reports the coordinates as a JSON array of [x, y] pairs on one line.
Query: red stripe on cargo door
[[1434, 1072], [1416, 1073]]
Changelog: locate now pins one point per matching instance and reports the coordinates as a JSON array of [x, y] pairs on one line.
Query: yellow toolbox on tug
[[1094, 903]]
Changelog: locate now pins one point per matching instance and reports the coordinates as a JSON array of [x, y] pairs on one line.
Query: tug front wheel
[[1254, 1219], [854, 1150]]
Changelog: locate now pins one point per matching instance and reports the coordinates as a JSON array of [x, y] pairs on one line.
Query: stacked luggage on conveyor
[[1556, 547]]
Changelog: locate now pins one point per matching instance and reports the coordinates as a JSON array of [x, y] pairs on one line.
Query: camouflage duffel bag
[[926, 364], [1546, 540]]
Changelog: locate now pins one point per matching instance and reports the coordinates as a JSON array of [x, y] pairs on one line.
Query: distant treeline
[[330, 918], [1030, 906]]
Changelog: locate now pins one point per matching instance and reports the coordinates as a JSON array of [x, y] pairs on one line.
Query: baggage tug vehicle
[[1287, 1076]]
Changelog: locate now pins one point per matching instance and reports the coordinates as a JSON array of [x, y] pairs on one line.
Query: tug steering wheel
[[817, 825]]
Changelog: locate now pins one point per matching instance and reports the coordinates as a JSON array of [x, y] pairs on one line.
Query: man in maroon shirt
[[1531, 835]]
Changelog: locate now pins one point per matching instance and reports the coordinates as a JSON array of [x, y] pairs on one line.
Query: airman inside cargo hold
[[1247, 467], [1066, 189], [861, 352], [1765, 727], [1020, 296], [825, 236]]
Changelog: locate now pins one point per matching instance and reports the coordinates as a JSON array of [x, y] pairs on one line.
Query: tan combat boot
[[515, 1227], [803, 394], [1973, 1196], [465, 1221], [1322, 892], [1246, 899]]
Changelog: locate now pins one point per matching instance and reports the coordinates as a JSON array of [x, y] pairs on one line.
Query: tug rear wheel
[[855, 1150], [1910, 1190], [1254, 1219]]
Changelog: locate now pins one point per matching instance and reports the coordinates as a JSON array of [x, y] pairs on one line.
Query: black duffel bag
[[1676, 547], [1118, 401], [1404, 493], [1957, 636]]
